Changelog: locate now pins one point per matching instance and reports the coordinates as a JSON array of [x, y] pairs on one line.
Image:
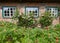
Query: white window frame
[[8, 7], [53, 11], [32, 9]]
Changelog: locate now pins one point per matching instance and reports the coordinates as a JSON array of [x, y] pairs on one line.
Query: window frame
[[3, 11], [32, 7], [52, 7]]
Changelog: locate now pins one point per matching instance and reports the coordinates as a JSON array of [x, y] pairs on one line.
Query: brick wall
[[21, 8]]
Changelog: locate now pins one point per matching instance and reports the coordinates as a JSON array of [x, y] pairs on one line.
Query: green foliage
[[16, 15], [58, 11], [24, 20], [45, 20], [57, 26], [10, 33]]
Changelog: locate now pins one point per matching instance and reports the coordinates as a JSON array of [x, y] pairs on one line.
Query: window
[[53, 11], [8, 11], [33, 10]]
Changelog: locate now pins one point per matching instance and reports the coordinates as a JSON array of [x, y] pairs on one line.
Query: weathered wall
[[21, 8]]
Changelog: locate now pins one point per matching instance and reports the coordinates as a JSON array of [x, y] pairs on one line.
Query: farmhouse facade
[[7, 9]]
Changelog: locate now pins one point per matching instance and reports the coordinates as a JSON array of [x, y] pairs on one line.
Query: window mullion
[[9, 12]]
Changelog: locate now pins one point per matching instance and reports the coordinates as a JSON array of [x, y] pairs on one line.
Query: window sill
[[7, 17]]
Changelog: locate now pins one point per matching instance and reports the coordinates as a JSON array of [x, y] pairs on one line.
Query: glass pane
[[13, 8], [32, 10], [11, 14], [54, 11], [8, 14], [50, 9], [52, 14], [5, 14], [10, 8], [35, 14], [4, 11], [8, 11], [11, 11], [35, 11]]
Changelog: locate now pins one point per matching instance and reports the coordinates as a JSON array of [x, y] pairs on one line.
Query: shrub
[[12, 34], [57, 26], [9, 33], [24, 20], [45, 20]]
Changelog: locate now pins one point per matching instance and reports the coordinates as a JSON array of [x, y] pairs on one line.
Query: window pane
[[13, 8], [32, 10], [10, 8], [8, 14], [11, 11], [8, 11], [4, 11], [11, 14], [5, 14], [35, 11], [53, 11], [35, 14]]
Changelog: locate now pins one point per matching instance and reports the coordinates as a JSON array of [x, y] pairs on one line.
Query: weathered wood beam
[[40, 1]]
